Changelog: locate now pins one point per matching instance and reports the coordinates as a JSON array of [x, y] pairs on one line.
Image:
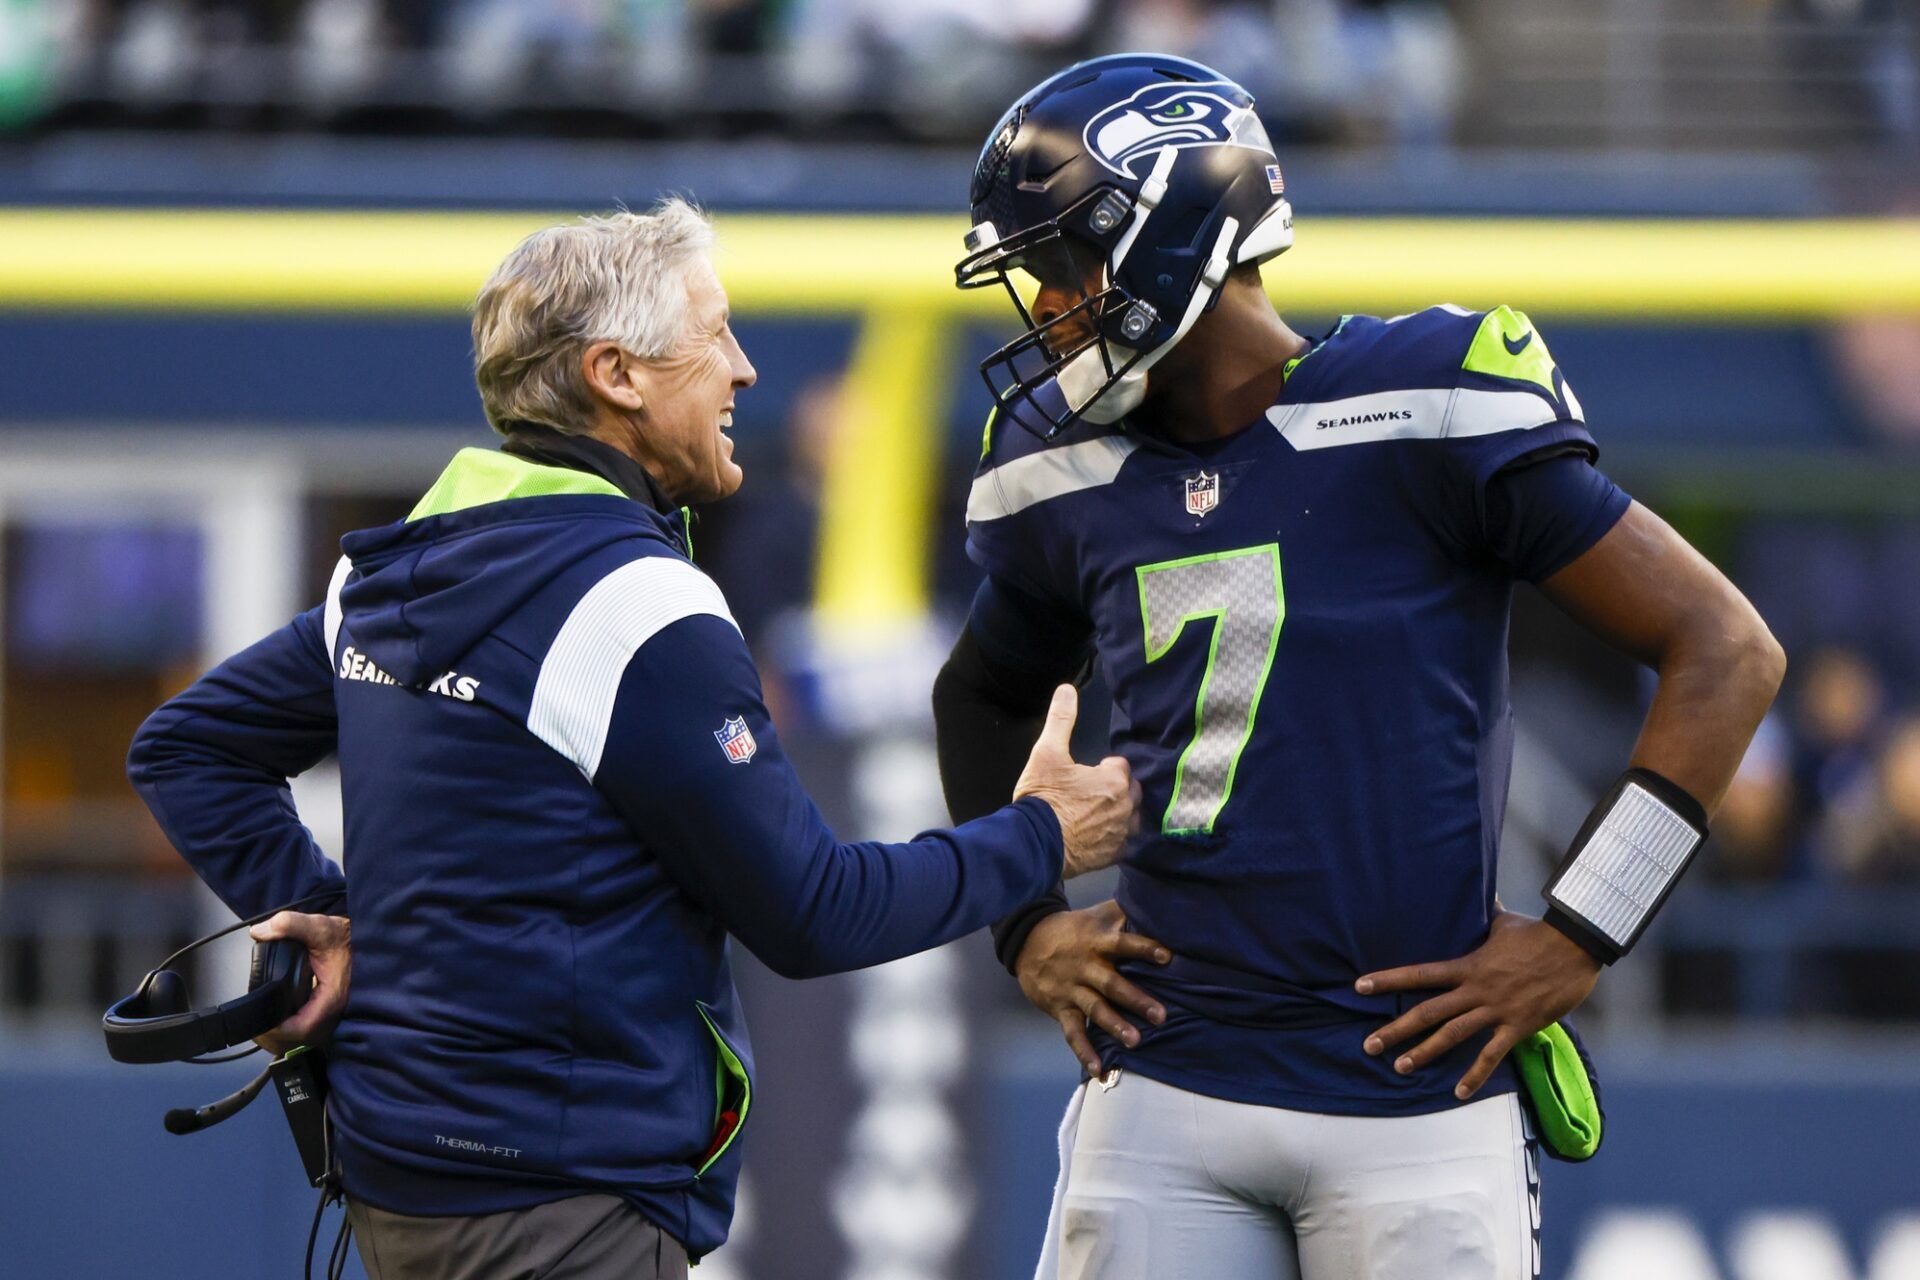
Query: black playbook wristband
[[1591, 937]]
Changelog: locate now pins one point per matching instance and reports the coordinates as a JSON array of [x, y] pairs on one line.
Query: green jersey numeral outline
[[1219, 614]]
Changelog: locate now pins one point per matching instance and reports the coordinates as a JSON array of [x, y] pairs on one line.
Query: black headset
[[158, 1022]]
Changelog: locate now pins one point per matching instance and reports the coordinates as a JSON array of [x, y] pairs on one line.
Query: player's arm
[[1645, 591], [988, 705]]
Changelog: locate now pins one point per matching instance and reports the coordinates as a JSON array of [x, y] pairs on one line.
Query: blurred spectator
[[1873, 833], [938, 67], [502, 52], [1879, 357], [1365, 69], [933, 68], [1858, 56], [1241, 40], [760, 546], [339, 47], [1407, 65], [28, 52], [1753, 829], [1837, 713]]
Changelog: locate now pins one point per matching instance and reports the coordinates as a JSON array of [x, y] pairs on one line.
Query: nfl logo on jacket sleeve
[[736, 740], [1203, 493]]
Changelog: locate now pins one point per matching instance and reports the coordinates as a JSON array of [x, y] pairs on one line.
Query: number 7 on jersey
[[1241, 592]]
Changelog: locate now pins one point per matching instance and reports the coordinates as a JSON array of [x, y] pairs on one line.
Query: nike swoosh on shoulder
[[1514, 347]]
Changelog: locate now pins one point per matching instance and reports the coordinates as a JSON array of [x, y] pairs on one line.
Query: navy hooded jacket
[[562, 792]]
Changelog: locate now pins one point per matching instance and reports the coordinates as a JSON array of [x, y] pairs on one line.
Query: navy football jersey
[[1304, 629]]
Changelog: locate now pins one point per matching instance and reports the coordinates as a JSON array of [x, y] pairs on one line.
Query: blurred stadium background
[[236, 240]]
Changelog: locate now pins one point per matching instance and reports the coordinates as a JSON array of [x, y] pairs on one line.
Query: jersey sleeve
[[1511, 407], [212, 764], [1009, 534], [1542, 516], [1028, 634]]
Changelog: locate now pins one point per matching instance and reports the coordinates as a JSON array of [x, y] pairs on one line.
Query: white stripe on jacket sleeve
[[330, 618], [580, 676]]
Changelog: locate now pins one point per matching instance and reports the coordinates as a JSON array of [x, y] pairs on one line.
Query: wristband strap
[[1628, 856], [1583, 937]]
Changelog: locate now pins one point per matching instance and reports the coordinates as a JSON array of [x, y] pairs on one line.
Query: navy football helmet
[[1139, 180]]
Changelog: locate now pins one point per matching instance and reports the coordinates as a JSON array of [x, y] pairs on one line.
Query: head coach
[[562, 792]]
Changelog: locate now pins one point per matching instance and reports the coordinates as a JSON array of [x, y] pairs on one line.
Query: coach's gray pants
[[587, 1237]]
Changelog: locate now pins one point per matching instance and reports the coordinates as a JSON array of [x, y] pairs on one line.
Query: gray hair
[[619, 278]]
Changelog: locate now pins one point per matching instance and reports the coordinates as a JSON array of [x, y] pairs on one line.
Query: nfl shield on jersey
[[736, 740], [1203, 493], [1304, 633]]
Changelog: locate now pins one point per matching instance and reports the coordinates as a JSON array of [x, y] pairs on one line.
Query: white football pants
[[1160, 1184]]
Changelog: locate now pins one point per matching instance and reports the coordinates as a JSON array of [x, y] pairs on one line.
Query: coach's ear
[[613, 375]]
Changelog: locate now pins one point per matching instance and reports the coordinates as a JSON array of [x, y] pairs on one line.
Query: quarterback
[[1292, 560]]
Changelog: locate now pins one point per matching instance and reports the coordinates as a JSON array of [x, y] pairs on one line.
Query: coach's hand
[[1524, 977], [1066, 967], [1098, 805], [329, 944]]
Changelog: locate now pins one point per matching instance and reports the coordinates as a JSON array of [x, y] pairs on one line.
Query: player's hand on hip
[[329, 944], [1098, 805], [1524, 977], [1067, 969]]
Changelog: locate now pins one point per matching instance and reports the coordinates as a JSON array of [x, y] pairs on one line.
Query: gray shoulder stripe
[[330, 617], [580, 676], [1051, 473], [1428, 414]]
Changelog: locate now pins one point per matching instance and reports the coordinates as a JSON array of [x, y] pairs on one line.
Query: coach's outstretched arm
[[1645, 591], [742, 837]]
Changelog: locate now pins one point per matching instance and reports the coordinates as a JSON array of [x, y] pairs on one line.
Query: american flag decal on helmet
[[736, 740], [1275, 183]]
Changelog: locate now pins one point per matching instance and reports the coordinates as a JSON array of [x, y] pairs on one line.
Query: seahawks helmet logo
[[1177, 115]]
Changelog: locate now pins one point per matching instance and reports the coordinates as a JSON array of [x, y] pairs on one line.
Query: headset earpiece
[[282, 961], [163, 992]]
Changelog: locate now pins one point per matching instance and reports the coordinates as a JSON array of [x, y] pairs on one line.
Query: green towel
[[1564, 1108]]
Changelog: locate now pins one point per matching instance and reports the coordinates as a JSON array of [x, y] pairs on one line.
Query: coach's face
[[683, 401]]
